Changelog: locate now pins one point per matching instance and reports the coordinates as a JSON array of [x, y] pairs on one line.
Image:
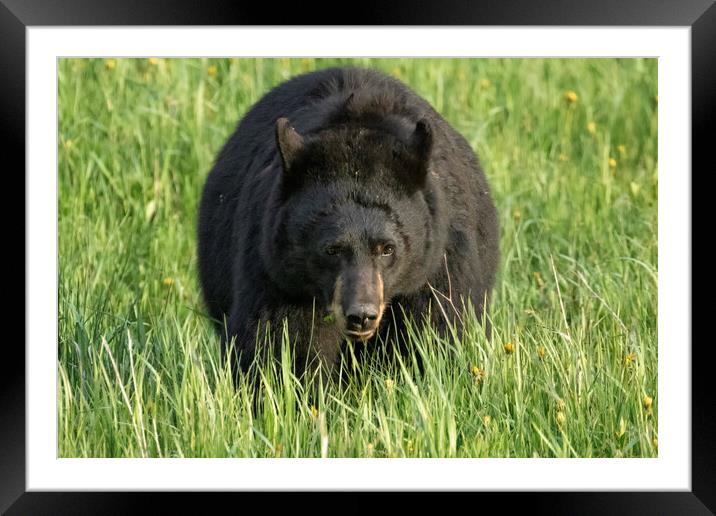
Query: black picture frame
[[17, 15]]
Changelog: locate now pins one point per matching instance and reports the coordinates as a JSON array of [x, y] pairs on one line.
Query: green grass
[[139, 366]]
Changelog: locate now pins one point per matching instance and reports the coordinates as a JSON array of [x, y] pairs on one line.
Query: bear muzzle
[[358, 303], [362, 321]]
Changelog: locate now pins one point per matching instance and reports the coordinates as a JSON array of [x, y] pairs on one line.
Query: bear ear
[[421, 142], [349, 102], [289, 142], [420, 146]]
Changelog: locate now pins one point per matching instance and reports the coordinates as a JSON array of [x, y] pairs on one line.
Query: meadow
[[569, 147]]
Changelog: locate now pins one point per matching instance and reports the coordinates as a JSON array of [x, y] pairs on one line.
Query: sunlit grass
[[569, 148]]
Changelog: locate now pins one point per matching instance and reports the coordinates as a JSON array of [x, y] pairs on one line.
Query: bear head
[[353, 216]]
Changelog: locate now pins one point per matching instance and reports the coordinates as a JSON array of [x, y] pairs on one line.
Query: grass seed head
[[561, 418], [369, 449], [622, 427], [150, 210]]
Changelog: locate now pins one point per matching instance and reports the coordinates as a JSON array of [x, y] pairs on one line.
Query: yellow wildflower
[[110, 64], [571, 96], [486, 420], [629, 358], [612, 163], [154, 61], [592, 128], [541, 352], [647, 401], [484, 84], [477, 373], [314, 412], [622, 150], [509, 348], [168, 281], [211, 70]]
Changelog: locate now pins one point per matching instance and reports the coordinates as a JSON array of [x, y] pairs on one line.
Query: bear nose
[[361, 317]]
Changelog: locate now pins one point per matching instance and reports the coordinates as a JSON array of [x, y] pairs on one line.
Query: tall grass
[[569, 147]]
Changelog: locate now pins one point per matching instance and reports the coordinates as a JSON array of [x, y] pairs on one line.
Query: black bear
[[342, 203]]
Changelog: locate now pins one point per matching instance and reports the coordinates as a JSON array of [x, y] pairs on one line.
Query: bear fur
[[342, 203]]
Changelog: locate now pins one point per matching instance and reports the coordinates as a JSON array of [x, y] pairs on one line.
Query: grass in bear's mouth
[[569, 148]]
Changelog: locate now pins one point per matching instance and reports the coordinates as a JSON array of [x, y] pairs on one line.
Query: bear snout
[[360, 290], [362, 318]]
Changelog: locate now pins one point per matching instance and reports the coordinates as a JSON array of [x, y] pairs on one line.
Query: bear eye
[[332, 250], [388, 250]]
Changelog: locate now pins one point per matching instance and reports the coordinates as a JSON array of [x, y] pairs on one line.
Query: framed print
[[533, 165]]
